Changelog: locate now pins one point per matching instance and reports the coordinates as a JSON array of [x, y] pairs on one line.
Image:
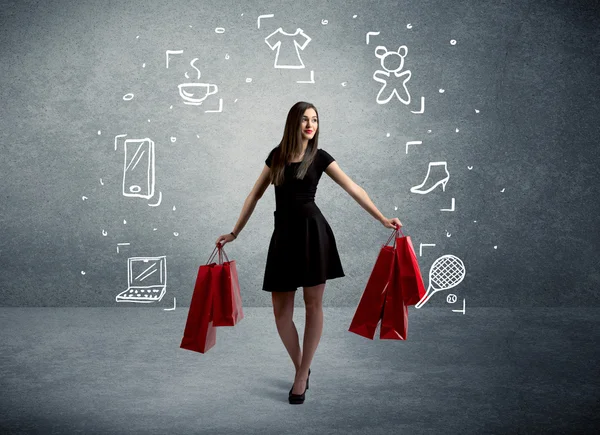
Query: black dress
[[302, 251]]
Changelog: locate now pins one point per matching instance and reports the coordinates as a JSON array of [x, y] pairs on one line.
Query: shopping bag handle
[[221, 253], [394, 233]]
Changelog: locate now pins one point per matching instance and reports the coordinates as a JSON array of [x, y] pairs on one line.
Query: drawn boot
[[432, 181]]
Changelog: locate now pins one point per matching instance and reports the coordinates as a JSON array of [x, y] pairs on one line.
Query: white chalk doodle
[[122, 244], [448, 234], [124, 222], [173, 139], [128, 97], [421, 247], [248, 80], [503, 189], [99, 133], [220, 30], [453, 41], [452, 207], [409, 26], [83, 272], [392, 63], [144, 65], [442, 91], [495, 246], [354, 16], [469, 168], [174, 305], [169, 53], [104, 233], [195, 93], [370, 34], [476, 111], [456, 130], [159, 200], [463, 308], [146, 280], [387, 135], [176, 234], [219, 110], [422, 109], [83, 198], [412, 142], [312, 78], [324, 22], [138, 167], [451, 298], [344, 84], [101, 182], [261, 17], [226, 56], [435, 176], [174, 208], [445, 273], [287, 46]]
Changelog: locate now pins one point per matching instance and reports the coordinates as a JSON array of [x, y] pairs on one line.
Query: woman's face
[[309, 124]]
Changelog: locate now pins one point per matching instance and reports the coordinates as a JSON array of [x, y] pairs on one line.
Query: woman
[[302, 251]]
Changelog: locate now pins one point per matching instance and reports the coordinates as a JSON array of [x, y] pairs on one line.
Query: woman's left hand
[[391, 223]]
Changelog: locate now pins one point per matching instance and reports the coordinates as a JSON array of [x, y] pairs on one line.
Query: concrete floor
[[120, 370]]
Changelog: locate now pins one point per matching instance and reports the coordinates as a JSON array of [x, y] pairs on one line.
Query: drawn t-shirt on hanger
[[287, 45]]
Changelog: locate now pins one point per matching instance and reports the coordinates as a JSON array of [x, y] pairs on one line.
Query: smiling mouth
[[308, 131]]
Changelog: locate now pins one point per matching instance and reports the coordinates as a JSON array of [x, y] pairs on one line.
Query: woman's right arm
[[261, 185]]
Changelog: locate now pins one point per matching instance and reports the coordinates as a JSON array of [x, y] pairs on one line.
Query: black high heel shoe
[[296, 399]]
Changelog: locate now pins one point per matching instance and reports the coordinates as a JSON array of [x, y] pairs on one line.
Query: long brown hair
[[291, 144]]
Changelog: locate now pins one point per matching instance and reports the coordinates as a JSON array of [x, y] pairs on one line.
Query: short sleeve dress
[[302, 251]]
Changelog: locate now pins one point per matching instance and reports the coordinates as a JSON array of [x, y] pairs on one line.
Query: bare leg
[[313, 299], [283, 309]]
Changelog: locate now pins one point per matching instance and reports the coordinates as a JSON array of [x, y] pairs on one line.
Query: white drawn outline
[[174, 305], [122, 244], [169, 52], [445, 273], [382, 53], [412, 142], [155, 267], [442, 181], [422, 110], [263, 16], [312, 78], [277, 46], [421, 247], [463, 308], [371, 34], [452, 208]]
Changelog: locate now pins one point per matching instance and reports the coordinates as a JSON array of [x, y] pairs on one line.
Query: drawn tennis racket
[[445, 272]]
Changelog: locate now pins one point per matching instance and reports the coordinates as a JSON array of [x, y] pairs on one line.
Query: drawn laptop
[[146, 280]]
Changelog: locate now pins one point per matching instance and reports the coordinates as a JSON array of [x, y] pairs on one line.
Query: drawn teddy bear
[[392, 62]]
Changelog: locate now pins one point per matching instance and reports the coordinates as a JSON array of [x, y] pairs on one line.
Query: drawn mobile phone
[[138, 168]]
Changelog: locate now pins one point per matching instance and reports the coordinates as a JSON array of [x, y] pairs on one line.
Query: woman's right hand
[[225, 238]]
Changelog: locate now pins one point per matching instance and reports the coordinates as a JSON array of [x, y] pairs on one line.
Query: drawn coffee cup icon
[[193, 93]]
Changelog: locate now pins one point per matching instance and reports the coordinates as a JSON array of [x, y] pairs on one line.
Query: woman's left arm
[[359, 194]]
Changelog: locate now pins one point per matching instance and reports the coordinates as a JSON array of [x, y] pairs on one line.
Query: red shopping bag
[[199, 334], [394, 321], [410, 279], [227, 300], [369, 310]]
